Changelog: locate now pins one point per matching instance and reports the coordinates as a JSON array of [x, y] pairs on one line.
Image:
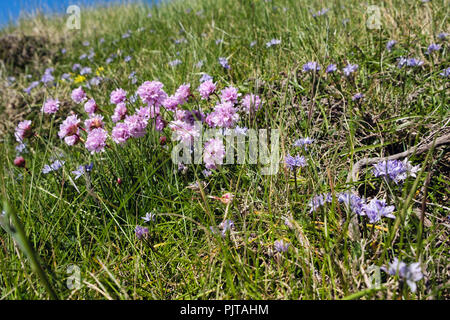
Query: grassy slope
[[94, 228]]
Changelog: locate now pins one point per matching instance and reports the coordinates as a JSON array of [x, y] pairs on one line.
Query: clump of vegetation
[[340, 190]]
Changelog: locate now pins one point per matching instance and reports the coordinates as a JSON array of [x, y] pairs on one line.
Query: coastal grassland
[[90, 222]]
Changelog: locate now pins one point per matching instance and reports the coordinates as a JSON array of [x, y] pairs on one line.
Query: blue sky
[[11, 9]]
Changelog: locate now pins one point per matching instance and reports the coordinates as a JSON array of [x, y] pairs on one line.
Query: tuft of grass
[[90, 222]]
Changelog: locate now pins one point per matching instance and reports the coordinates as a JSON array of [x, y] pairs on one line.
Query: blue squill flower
[[205, 77], [21, 148], [410, 62], [149, 216], [224, 63], [311, 67], [331, 68], [390, 44], [445, 73], [273, 42], [85, 70], [433, 47], [358, 96], [303, 142], [141, 232], [350, 68], [319, 201], [295, 162], [443, 36], [409, 273], [226, 226], [377, 209], [48, 76], [175, 62], [352, 202], [33, 85], [82, 169], [320, 12], [55, 166], [281, 246], [395, 170]]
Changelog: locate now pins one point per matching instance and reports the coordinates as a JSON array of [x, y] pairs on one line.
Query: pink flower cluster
[[152, 93], [184, 131], [23, 130], [78, 95], [148, 112], [206, 89], [95, 121], [50, 106], [183, 93], [136, 125], [229, 94], [171, 103], [117, 96], [69, 130], [119, 112], [180, 97], [90, 106], [224, 116], [96, 140], [120, 133], [251, 103], [214, 153]]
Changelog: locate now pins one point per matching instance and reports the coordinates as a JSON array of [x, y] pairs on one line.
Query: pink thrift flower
[[119, 112], [95, 121], [117, 96], [51, 106], [171, 103], [224, 116], [148, 112], [160, 124], [144, 113], [183, 93], [189, 116], [96, 140], [72, 140], [180, 114], [154, 111], [90, 106], [183, 131], [136, 126], [19, 162], [78, 95], [229, 94], [152, 93], [214, 153], [120, 133], [23, 130], [69, 127], [206, 89], [251, 103], [226, 198]]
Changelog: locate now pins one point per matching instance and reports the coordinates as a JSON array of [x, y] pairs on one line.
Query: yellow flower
[[99, 70], [79, 79]]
